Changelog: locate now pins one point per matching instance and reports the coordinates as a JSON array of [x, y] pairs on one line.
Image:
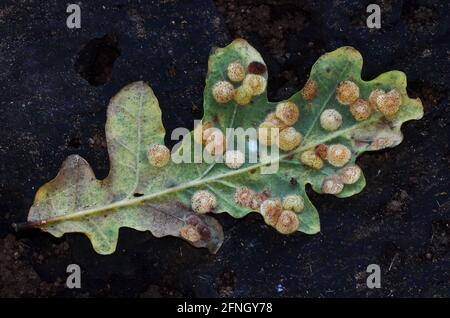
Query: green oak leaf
[[140, 196]]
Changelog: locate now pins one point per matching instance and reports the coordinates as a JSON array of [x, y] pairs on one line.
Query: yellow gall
[[243, 95], [310, 90], [321, 151], [158, 155], [332, 185], [271, 211], [268, 133], [236, 72], [338, 155], [350, 174], [360, 109], [310, 159], [373, 98], [289, 139], [244, 197], [256, 83], [203, 202], [347, 92], [223, 92], [389, 103], [287, 222], [330, 119], [293, 202], [200, 132], [272, 118], [190, 233], [288, 112], [215, 141], [234, 159]]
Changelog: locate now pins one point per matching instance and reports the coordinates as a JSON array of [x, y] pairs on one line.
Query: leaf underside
[[157, 199]]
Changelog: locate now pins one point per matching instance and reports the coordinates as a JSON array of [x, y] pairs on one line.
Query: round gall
[[293, 202], [236, 72], [234, 159], [332, 185], [338, 155], [347, 92], [158, 155], [223, 92], [203, 202], [288, 112], [330, 119], [287, 222], [289, 139], [310, 159]]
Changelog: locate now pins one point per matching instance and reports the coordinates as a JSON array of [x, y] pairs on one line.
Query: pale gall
[[373, 98], [243, 95], [310, 159], [203, 202], [350, 174], [215, 141], [200, 132], [277, 122], [389, 103], [234, 159], [287, 223], [244, 197], [236, 72], [223, 92], [256, 83], [268, 133], [289, 139], [158, 155], [360, 109], [293, 202], [330, 119], [332, 185], [271, 211], [338, 155], [287, 112]]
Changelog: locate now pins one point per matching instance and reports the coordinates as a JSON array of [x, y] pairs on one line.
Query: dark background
[[55, 84]]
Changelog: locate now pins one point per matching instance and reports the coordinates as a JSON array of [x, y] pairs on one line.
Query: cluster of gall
[[282, 215], [350, 174], [250, 199], [252, 81], [277, 127], [348, 93]]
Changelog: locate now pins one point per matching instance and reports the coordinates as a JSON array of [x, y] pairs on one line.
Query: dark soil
[[49, 109]]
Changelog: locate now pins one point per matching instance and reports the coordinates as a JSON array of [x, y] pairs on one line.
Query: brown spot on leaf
[[256, 68], [321, 151], [205, 233], [310, 90]]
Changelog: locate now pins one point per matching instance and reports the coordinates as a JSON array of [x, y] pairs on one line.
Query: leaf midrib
[[134, 201]]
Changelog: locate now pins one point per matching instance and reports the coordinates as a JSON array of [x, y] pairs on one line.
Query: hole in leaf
[[95, 60]]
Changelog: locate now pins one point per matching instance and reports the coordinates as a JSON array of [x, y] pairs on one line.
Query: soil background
[[55, 84]]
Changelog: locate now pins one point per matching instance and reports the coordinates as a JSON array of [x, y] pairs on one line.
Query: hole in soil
[[95, 60], [74, 143]]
